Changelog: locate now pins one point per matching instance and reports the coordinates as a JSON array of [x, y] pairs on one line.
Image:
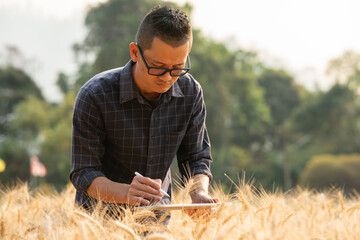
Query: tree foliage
[[111, 27], [15, 86], [282, 94], [327, 171]]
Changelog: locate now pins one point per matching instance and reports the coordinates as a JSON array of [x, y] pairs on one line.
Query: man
[[139, 117]]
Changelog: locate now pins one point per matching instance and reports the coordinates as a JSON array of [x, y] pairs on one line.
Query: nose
[[166, 77]]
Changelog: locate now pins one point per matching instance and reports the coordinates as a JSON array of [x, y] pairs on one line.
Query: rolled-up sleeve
[[194, 154], [87, 142]]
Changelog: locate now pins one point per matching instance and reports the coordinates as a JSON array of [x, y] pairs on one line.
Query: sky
[[300, 36]]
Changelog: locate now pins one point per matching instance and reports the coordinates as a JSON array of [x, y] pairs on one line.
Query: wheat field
[[254, 214]]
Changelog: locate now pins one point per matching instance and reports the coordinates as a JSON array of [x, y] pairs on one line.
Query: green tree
[[326, 171], [111, 26], [17, 162], [23, 137], [282, 95], [55, 148], [44, 130], [237, 113], [346, 68], [15, 86], [331, 117], [29, 118], [63, 82]]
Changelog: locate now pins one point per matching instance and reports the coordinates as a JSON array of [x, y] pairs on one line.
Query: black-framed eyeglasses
[[157, 71]]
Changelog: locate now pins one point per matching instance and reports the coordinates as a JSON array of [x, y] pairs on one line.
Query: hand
[[199, 215], [203, 197], [142, 190]]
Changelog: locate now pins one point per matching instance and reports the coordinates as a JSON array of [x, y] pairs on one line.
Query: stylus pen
[[162, 191]]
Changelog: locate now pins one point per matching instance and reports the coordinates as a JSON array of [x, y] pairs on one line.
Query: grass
[[298, 214]]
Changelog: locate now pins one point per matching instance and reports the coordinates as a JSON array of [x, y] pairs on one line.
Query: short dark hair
[[168, 24]]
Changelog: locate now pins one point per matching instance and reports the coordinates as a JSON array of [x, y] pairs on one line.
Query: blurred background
[[281, 83]]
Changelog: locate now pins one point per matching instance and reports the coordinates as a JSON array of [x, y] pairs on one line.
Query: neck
[[151, 96]]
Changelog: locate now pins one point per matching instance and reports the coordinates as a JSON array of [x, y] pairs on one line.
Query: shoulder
[[103, 82], [106, 86]]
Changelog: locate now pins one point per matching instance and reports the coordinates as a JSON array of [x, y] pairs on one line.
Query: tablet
[[182, 206]]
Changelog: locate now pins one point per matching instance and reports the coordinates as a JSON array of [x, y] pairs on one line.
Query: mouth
[[164, 84]]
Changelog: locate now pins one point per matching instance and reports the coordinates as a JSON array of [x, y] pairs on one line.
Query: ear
[[134, 52]]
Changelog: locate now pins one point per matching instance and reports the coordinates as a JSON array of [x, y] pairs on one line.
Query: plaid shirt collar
[[129, 91]]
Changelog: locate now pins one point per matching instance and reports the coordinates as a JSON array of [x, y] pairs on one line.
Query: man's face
[[159, 55]]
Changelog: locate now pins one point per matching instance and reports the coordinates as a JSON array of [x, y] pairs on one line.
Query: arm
[[194, 155], [106, 190], [199, 190], [139, 192], [87, 151], [199, 194], [199, 185]]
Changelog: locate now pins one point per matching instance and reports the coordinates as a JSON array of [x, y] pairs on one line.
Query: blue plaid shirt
[[116, 132]]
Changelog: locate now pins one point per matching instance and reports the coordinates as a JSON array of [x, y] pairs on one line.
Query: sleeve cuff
[[83, 178], [197, 167]]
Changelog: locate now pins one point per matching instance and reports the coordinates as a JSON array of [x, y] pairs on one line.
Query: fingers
[[137, 201], [135, 194], [143, 190], [208, 200], [204, 198], [158, 181], [146, 185], [215, 200], [203, 215], [153, 183]]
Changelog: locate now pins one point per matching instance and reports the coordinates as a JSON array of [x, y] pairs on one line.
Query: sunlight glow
[[55, 8]]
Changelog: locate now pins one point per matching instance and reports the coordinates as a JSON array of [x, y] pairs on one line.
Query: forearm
[[199, 194], [106, 190], [199, 185], [141, 191]]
